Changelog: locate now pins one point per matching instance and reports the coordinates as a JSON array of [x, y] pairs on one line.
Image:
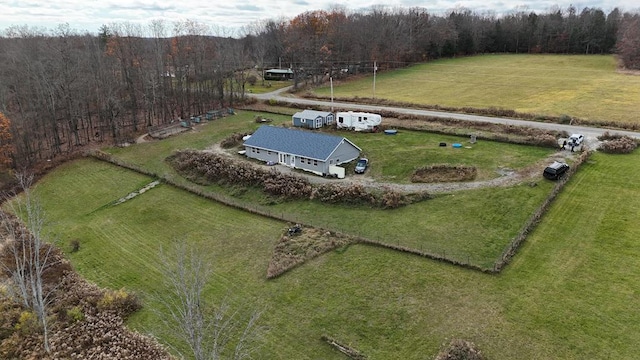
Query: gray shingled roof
[[308, 144], [310, 114]]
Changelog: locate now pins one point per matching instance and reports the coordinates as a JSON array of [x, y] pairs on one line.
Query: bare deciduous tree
[[29, 254], [211, 331]]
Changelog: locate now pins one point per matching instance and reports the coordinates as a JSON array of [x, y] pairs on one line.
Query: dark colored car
[[361, 166], [555, 171]]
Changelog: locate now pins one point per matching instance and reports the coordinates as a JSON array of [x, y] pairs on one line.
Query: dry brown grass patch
[[291, 251], [444, 173]]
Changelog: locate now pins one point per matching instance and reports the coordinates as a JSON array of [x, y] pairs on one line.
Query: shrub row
[[206, 168], [428, 255], [232, 140], [335, 194], [617, 144], [523, 135], [535, 218], [490, 111]]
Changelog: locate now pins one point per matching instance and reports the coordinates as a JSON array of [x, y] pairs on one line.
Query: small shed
[[312, 119], [278, 74]]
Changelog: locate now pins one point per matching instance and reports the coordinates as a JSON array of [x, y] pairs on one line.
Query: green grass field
[[587, 87], [425, 226], [570, 293]]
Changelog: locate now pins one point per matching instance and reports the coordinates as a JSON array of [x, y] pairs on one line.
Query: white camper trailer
[[358, 121]]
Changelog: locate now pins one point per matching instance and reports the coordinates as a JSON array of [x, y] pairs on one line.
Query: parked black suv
[[555, 171]]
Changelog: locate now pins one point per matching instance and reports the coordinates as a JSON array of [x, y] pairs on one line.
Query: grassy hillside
[[570, 293], [587, 87], [426, 226]]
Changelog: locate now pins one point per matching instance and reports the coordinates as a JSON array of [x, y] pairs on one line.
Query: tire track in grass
[[118, 236], [124, 242], [143, 254]]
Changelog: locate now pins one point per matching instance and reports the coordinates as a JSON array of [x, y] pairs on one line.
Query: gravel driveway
[[506, 177]]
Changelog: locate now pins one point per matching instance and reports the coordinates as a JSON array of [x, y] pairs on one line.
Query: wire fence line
[[420, 247]]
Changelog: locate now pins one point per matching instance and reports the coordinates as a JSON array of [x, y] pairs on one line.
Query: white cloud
[[233, 14]]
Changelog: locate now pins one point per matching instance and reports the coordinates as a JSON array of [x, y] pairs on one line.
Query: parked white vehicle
[[576, 139], [358, 121]]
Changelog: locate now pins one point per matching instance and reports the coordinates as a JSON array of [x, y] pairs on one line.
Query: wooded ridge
[[62, 90]]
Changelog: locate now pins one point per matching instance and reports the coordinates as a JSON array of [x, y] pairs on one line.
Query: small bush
[[122, 302], [392, 199], [232, 140], [564, 119], [27, 323], [460, 350], [620, 145], [252, 79], [75, 245], [608, 136], [75, 314]]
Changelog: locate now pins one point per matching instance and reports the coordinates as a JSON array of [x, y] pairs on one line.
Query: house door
[[286, 159]]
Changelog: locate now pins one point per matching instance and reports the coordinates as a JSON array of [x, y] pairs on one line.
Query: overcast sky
[[231, 15]]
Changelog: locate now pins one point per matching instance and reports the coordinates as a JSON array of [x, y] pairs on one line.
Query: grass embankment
[[570, 293], [586, 87]]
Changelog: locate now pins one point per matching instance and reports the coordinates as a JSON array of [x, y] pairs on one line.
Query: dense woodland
[[61, 90]]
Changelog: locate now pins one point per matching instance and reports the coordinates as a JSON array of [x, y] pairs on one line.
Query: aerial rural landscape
[[302, 191]]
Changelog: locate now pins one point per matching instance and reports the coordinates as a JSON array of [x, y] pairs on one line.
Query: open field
[[587, 87], [570, 293]]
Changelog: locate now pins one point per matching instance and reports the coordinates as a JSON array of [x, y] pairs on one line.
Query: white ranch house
[[300, 149]]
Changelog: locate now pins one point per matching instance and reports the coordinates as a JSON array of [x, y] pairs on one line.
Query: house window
[[340, 119], [269, 152], [303, 120], [258, 151], [315, 162]]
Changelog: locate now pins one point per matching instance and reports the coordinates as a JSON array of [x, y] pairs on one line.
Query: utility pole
[[331, 82], [375, 68]]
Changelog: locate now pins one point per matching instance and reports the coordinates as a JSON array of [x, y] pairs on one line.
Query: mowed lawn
[[571, 292], [438, 226], [587, 87]]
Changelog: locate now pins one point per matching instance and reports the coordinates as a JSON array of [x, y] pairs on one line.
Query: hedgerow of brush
[[207, 168], [618, 145]]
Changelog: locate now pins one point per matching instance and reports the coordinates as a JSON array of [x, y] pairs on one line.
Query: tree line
[[62, 90]]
